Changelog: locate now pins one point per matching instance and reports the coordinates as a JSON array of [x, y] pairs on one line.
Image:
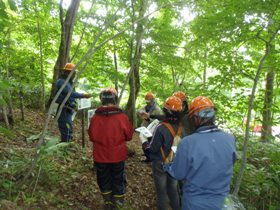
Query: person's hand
[[87, 95], [144, 115], [145, 145]]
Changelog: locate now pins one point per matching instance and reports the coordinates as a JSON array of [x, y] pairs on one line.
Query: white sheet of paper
[[84, 103], [174, 149], [144, 131], [90, 115]]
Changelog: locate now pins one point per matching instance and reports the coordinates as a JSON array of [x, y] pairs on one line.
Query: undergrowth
[[260, 187]]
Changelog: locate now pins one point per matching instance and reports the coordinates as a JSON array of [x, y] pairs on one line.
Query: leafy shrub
[[260, 187]]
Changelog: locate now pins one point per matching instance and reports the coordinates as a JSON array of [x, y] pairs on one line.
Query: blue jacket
[[204, 161], [71, 100]]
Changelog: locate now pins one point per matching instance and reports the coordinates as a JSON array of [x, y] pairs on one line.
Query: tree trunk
[[116, 69], [8, 98], [134, 80], [267, 113], [4, 113], [162, 78], [21, 104], [41, 58], [250, 107], [11, 116], [67, 26], [174, 78], [204, 71]]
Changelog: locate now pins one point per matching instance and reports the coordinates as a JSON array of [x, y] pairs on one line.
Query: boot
[[107, 197], [118, 202]]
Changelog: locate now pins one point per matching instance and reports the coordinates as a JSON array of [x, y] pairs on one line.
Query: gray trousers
[[167, 189]]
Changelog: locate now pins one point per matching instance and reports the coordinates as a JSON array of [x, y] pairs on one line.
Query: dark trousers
[[166, 188], [111, 177], [65, 125]]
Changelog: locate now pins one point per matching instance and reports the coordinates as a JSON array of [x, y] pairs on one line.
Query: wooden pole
[[83, 129]]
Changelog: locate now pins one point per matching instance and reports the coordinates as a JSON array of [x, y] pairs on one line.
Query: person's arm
[[157, 140], [159, 117], [91, 128], [146, 116], [128, 129], [74, 94], [179, 167], [80, 95]]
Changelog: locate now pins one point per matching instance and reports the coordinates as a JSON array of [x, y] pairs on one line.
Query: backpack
[[176, 139]]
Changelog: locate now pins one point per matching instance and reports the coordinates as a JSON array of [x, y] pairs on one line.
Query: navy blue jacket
[[71, 100]]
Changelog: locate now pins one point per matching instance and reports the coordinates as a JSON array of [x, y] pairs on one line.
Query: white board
[[84, 103], [90, 114]]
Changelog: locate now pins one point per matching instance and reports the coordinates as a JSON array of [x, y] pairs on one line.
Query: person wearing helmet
[[204, 160], [151, 108], [150, 113], [109, 131], [161, 150], [65, 122], [185, 118]]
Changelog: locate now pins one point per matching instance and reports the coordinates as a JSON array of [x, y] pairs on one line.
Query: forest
[[227, 50]]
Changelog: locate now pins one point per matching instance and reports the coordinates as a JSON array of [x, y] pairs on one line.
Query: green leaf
[[51, 141], [68, 125], [56, 147], [33, 138]]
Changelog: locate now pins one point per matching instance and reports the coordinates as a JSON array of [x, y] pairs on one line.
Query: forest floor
[[67, 181]]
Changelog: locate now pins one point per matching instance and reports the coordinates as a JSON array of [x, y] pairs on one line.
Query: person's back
[[210, 156], [109, 130], [161, 151], [71, 100]]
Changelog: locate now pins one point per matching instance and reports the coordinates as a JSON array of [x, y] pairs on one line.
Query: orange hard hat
[[173, 103], [181, 95], [200, 103], [69, 66], [149, 96]]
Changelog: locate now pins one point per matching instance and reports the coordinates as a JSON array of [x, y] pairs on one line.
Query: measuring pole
[[83, 128]]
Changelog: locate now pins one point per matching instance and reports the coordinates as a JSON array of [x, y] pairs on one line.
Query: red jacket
[[109, 130]]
